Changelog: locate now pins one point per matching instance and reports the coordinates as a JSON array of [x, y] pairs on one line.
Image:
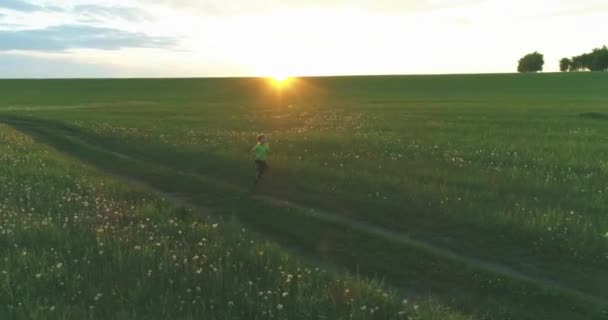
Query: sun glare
[[280, 81], [279, 78]]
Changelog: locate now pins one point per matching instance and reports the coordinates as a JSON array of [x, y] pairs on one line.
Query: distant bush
[[532, 62], [596, 60]]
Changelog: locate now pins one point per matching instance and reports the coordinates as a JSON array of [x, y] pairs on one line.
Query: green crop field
[[470, 196]]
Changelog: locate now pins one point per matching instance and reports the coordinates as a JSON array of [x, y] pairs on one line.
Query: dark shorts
[[261, 166]]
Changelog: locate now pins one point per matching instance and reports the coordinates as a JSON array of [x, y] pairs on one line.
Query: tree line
[[596, 60]]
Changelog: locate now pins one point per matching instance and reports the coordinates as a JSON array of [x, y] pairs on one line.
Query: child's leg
[[263, 168], [258, 172]]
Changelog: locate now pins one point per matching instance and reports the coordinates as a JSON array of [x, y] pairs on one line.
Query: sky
[[214, 38]]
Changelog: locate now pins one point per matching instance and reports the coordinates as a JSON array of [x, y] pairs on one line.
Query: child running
[[261, 150]]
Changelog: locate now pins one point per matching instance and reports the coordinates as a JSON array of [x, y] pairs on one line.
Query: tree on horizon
[[565, 64], [532, 62], [596, 60]]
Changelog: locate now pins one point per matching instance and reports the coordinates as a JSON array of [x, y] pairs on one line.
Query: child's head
[[261, 138]]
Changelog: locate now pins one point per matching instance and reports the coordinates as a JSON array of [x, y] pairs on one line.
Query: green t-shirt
[[261, 151]]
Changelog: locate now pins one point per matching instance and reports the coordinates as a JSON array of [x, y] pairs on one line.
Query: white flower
[[279, 306], [59, 265]]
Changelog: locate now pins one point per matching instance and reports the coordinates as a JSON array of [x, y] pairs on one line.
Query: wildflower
[[404, 301], [230, 304], [280, 306], [59, 265], [38, 275], [285, 294]]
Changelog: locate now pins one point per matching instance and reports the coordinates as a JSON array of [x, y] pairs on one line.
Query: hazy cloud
[[109, 12], [222, 7], [24, 66], [78, 36]]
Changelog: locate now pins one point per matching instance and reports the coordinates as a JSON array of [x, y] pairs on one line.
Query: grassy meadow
[[484, 194]]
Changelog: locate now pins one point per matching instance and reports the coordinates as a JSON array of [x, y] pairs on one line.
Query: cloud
[[25, 66], [18, 5], [65, 37]]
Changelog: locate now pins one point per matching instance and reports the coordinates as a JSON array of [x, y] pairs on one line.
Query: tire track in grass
[[323, 217]]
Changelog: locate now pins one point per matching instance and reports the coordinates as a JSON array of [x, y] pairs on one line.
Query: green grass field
[[484, 194]]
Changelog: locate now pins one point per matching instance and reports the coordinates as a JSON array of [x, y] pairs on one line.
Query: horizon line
[[294, 76]]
